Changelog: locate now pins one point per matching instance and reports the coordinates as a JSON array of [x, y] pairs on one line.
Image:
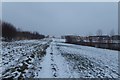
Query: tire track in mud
[[59, 67], [58, 63], [54, 67]]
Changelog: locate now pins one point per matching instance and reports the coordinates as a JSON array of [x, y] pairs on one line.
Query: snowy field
[[52, 58]]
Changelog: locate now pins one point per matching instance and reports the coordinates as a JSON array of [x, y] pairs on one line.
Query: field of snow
[[52, 58]]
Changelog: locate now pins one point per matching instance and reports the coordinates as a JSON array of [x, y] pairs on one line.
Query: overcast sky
[[57, 19]]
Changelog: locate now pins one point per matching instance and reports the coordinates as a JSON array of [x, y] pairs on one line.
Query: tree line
[[10, 32]]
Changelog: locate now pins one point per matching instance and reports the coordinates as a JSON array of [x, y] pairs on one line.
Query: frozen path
[[54, 65], [46, 68]]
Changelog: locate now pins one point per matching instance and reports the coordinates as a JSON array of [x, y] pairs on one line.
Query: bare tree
[[112, 32], [99, 32], [89, 36], [8, 31]]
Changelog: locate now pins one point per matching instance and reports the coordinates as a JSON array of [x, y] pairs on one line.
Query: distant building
[[103, 38], [115, 39], [73, 38]]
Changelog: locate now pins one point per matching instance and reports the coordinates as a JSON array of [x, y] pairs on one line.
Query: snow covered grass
[[51, 58], [103, 60]]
